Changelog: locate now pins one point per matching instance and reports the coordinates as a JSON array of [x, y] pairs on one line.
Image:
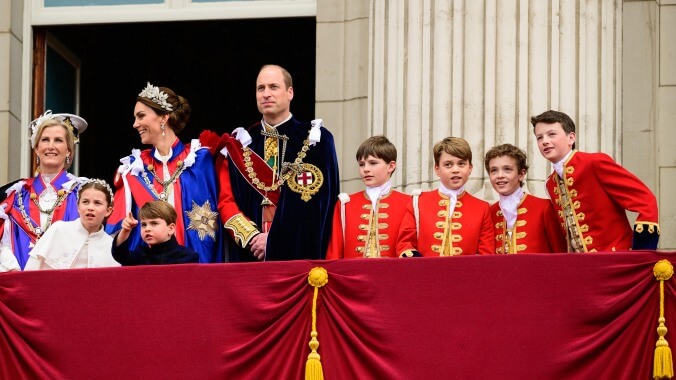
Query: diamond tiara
[[158, 97], [100, 182]]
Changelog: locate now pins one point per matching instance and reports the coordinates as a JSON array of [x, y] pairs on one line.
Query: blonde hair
[[70, 137]]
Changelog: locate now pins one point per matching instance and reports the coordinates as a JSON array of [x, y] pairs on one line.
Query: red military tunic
[[470, 227], [536, 229], [359, 220], [599, 191]]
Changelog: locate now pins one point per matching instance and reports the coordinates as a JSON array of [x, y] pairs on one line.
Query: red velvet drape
[[562, 316]]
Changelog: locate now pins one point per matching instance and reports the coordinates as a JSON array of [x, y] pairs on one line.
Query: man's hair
[[158, 210], [455, 146], [508, 150], [551, 117], [378, 147], [288, 81]]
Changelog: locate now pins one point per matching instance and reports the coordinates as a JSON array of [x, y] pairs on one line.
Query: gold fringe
[[663, 366], [318, 277]]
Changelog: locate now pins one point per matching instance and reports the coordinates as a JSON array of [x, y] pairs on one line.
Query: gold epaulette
[[242, 229]]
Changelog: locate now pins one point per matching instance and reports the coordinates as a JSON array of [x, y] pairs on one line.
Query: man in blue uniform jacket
[[278, 179]]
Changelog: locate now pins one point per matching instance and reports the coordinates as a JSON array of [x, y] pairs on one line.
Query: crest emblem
[[307, 181]]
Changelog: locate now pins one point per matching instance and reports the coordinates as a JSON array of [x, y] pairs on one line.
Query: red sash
[[260, 167]]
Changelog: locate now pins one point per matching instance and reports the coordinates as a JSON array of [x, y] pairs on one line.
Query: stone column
[[342, 80], [480, 69]]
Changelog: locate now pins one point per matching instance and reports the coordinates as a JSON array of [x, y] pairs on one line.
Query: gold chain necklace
[[165, 184], [36, 229], [287, 168]]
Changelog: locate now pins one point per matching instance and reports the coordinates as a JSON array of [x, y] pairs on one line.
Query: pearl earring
[[162, 127]]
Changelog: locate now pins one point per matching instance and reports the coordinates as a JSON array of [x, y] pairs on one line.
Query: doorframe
[[35, 14]]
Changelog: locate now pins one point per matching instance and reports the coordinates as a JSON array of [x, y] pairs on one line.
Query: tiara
[[158, 97], [101, 182]]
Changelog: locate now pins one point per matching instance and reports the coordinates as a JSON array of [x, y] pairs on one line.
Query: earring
[[67, 160], [162, 127], [37, 160]]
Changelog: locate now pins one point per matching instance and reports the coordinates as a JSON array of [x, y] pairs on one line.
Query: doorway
[[213, 64]]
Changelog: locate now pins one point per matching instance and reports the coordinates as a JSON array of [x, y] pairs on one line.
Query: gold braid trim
[[318, 277], [242, 229], [640, 226], [663, 366]]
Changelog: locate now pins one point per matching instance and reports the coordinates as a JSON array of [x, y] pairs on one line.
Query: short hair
[[378, 147], [455, 146], [551, 117], [288, 81], [70, 137], [180, 114], [508, 150], [158, 210]]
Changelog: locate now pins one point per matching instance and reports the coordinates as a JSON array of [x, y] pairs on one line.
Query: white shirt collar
[[558, 167], [509, 204], [374, 193]]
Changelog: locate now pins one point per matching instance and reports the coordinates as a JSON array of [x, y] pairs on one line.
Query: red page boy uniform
[[434, 226], [591, 193], [531, 225], [362, 230]]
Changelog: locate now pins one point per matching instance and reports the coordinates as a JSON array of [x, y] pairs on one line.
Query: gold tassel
[[663, 367], [318, 277]]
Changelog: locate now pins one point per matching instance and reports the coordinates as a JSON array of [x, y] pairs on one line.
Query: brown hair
[[508, 150], [378, 147], [70, 137], [158, 210], [178, 118], [551, 117], [288, 81], [455, 146]]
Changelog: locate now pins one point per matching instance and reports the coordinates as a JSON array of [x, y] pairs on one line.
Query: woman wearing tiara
[[181, 174], [33, 204]]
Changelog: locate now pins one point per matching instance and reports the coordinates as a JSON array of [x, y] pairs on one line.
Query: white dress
[[69, 245]]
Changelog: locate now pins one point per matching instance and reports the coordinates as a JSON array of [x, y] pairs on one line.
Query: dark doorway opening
[[213, 64]]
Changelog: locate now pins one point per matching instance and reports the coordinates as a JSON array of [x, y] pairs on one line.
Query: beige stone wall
[[480, 69], [666, 136], [11, 45]]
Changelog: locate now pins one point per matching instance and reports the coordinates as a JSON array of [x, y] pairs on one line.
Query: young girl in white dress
[[81, 243]]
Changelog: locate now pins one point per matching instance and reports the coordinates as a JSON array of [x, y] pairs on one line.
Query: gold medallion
[[307, 181]]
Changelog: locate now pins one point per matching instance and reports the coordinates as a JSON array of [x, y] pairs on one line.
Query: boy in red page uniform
[[523, 223], [447, 221], [591, 192], [366, 224]]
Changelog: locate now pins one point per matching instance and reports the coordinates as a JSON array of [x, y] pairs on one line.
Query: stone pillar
[[11, 45], [665, 147], [342, 80], [480, 69]]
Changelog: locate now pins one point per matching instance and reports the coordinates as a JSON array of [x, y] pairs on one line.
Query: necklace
[[35, 227], [165, 184], [287, 168]]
